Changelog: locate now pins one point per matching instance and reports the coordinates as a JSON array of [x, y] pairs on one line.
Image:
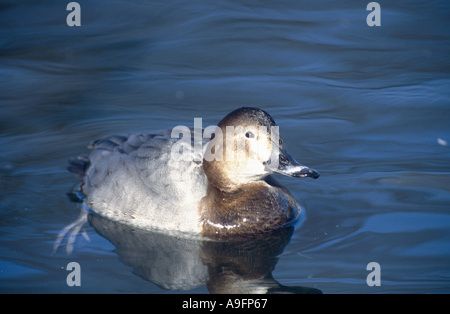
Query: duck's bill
[[288, 166], [299, 172]]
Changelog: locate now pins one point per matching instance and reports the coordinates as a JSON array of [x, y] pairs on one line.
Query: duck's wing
[[152, 156], [135, 175]]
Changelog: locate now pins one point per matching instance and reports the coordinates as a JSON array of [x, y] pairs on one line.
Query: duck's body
[[134, 179]]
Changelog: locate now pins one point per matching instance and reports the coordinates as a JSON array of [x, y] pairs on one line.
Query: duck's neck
[[252, 208]]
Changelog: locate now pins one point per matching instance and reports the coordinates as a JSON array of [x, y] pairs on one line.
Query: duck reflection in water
[[237, 265]]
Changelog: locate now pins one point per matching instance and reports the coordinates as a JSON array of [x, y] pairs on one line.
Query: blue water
[[368, 107]]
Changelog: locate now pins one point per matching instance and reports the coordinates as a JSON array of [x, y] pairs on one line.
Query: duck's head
[[246, 147]]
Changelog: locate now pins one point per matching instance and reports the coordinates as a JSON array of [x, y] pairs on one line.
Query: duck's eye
[[249, 134]]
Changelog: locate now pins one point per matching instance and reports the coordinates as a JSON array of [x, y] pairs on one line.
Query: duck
[[216, 181]]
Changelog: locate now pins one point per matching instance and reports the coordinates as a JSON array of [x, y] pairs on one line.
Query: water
[[365, 106]]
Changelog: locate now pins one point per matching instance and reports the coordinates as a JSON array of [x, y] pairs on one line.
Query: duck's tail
[[79, 165]]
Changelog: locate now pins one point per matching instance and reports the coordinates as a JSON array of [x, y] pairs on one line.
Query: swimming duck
[[214, 189]]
